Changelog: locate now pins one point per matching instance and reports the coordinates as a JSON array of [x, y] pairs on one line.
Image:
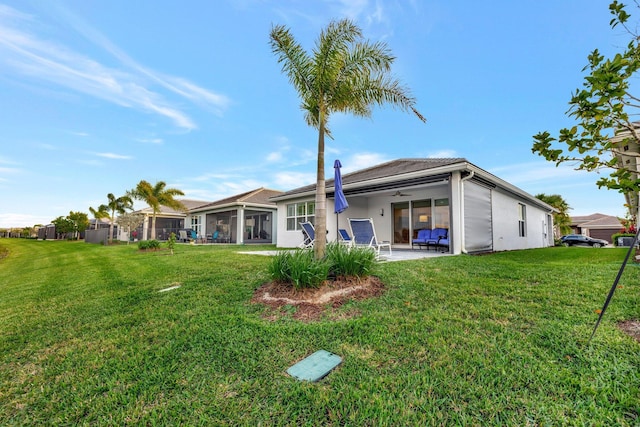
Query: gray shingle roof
[[596, 220], [260, 196], [383, 170], [164, 210]]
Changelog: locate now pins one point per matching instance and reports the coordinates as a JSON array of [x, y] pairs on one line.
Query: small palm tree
[[561, 218], [117, 205], [345, 74], [155, 196], [101, 212]]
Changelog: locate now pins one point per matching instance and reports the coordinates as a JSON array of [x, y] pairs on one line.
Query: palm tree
[[156, 196], [117, 205], [101, 212], [345, 74], [561, 218]]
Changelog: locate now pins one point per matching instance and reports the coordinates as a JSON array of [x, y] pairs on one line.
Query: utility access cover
[[314, 367]]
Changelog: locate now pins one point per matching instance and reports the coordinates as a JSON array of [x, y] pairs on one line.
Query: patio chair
[[364, 234], [183, 236], [344, 237], [309, 235], [439, 238], [422, 238]]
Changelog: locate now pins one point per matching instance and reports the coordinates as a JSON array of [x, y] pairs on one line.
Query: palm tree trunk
[[111, 230], [320, 244], [153, 226]]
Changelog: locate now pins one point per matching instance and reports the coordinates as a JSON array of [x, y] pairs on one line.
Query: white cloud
[[9, 220], [79, 133], [6, 161], [274, 157], [30, 55], [9, 171], [442, 154], [353, 8], [521, 174], [114, 156], [215, 177], [90, 162], [362, 161], [151, 140], [290, 180]]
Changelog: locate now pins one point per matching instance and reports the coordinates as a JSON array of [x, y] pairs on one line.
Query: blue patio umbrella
[[340, 201]]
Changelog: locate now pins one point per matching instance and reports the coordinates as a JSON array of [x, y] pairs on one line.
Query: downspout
[[462, 180]]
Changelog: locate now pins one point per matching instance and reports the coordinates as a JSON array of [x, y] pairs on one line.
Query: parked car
[[580, 240]]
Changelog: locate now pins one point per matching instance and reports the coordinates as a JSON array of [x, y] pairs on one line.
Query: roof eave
[[378, 181]]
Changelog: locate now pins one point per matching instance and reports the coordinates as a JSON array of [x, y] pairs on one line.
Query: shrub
[[614, 238], [148, 245], [301, 269], [298, 268], [345, 261], [171, 243]]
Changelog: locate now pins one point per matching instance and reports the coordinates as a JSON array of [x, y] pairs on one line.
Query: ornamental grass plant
[[300, 268]]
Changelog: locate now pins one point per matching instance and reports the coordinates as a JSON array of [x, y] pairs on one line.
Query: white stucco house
[[481, 212]]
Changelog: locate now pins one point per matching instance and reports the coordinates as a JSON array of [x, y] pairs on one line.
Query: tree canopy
[[117, 205], [344, 74], [561, 218], [606, 136], [156, 196], [98, 214]]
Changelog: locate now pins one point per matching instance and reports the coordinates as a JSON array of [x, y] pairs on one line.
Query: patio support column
[[240, 230], [456, 200], [145, 228]]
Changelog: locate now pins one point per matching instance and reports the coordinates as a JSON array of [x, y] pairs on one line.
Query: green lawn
[[500, 339]]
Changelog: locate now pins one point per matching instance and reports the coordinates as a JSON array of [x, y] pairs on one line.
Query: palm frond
[[296, 64], [333, 47], [384, 89]]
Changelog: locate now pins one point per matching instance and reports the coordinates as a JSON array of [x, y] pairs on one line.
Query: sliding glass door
[[400, 223], [410, 217]]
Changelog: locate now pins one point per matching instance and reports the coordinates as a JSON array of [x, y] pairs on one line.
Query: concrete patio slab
[[396, 255]]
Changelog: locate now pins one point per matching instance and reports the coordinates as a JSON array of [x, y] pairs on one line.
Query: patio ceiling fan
[[399, 194]]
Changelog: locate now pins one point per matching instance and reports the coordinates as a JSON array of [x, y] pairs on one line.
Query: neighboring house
[[102, 223], [47, 232], [481, 211], [168, 220], [244, 218], [627, 152], [598, 226]]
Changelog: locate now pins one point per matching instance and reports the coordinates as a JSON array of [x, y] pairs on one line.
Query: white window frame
[[196, 224], [300, 212], [522, 220]]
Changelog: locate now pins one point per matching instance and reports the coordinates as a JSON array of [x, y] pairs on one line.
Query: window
[[300, 212], [441, 213], [522, 220], [196, 224], [420, 216]]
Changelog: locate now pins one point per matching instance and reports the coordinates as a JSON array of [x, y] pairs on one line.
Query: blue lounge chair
[[309, 235], [364, 234], [439, 237], [345, 238], [422, 238]]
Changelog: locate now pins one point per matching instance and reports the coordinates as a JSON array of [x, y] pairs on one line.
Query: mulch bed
[[283, 300], [631, 328]]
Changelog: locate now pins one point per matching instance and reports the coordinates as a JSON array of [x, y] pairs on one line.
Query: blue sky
[[97, 95]]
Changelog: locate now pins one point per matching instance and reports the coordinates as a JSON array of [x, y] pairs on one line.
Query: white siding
[[505, 224]]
